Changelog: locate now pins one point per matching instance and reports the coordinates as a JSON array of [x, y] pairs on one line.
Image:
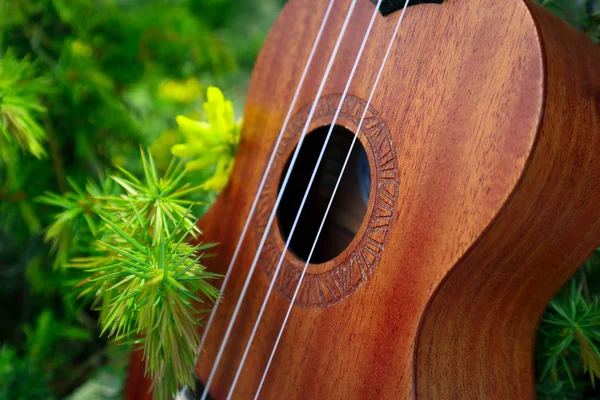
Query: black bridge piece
[[196, 393], [389, 6]]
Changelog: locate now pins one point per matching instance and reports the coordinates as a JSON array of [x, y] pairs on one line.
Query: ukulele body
[[482, 139]]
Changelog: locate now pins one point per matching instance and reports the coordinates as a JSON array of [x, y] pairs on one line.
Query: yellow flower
[[220, 179], [211, 143], [180, 91], [80, 49]]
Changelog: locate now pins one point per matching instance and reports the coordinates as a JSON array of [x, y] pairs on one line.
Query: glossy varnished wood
[[479, 329], [492, 111]]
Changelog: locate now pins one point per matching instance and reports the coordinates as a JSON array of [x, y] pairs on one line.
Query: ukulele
[[416, 179]]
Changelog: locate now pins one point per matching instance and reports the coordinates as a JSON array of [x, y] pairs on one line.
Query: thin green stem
[[55, 156]]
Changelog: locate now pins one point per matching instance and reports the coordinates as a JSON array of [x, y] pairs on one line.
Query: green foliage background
[[91, 81], [99, 78]]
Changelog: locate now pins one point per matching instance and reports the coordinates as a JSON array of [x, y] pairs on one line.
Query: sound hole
[[350, 203]]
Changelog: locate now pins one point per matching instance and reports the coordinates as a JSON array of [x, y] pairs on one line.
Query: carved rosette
[[329, 283]]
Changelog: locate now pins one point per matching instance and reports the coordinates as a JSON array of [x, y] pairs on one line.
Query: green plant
[[20, 133], [83, 84], [583, 14], [32, 374], [569, 336], [127, 240], [141, 272], [137, 266], [20, 88]]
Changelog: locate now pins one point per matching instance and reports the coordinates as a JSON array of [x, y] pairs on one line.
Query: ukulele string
[[303, 202], [289, 310], [277, 201], [263, 180]]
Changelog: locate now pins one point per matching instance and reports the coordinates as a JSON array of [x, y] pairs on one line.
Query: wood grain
[[492, 107], [546, 230]]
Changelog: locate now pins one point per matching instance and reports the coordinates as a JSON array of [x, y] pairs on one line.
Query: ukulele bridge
[[390, 6]]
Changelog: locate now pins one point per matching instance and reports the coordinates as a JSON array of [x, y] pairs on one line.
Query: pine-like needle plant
[[142, 268], [20, 88], [20, 134], [568, 337], [76, 226]]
